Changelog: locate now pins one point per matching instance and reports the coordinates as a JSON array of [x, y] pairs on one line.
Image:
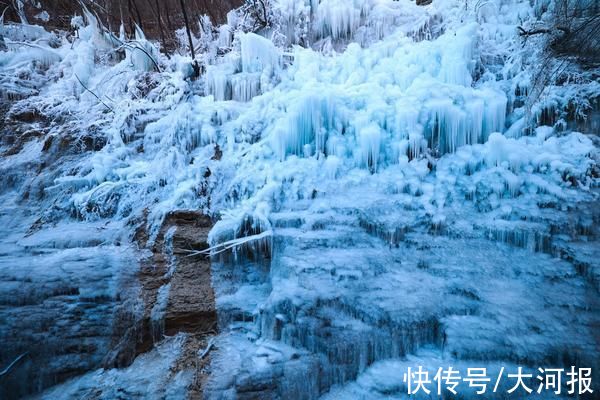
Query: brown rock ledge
[[190, 306]]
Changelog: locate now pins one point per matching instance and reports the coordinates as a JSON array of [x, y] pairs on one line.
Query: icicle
[[545, 113], [495, 113], [157, 314], [448, 126], [232, 18], [519, 234], [338, 18], [262, 237], [452, 126], [331, 166], [336, 146], [122, 36], [217, 83], [245, 86], [543, 132], [370, 139], [513, 183], [314, 5], [501, 151], [416, 143], [516, 129], [407, 119], [475, 111], [457, 55], [21, 12], [225, 36], [408, 127], [310, 124], [143, 54]]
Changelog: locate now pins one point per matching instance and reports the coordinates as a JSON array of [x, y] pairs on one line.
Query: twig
[[2, 16], [6, 370], [195, 65], [523, 32], [34, 45], [208, 348], [94, 94], [230, 244]]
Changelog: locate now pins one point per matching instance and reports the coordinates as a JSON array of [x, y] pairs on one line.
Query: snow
[[148, 377], [257, 53], [380, 190], [43, 16]]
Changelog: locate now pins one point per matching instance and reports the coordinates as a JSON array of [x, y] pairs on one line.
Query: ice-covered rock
[[380, 195]]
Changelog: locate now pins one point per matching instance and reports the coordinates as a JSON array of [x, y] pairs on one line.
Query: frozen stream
[[353, 189], [343, 302]]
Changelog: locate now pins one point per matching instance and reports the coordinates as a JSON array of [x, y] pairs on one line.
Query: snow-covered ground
[[387, 193]]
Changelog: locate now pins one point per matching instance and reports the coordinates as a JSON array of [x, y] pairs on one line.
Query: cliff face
[[71, 304], [380, 185]]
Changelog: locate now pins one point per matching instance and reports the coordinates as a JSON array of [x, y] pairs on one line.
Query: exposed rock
[[191, 305], [65, 311], [86, 305], [183, 283]]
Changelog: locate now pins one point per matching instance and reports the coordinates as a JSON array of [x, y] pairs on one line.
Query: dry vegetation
[[159, 19]]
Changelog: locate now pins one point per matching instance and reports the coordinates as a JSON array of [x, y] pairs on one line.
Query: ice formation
[[384, 196]]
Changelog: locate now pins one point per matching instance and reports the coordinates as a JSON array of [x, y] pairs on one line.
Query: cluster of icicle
[[332, 87]]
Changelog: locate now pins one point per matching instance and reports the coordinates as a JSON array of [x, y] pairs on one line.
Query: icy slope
[[368, 270], [377, 250], [381, 188], [394, 102]]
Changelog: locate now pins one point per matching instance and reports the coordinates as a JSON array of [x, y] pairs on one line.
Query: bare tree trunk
[[189, 35], [131, 17], [168, 15], [121, 15], [137, 13], [159, 20]]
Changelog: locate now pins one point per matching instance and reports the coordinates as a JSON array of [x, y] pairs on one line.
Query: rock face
[[176, 285], [63, 303], [69, 295], [191, 304], [75, 296], [69, 305], [177, 291]]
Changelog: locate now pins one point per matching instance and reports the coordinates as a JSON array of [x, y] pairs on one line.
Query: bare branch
[[6, 370], [94, 94], [523, 32], [142, 49]]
